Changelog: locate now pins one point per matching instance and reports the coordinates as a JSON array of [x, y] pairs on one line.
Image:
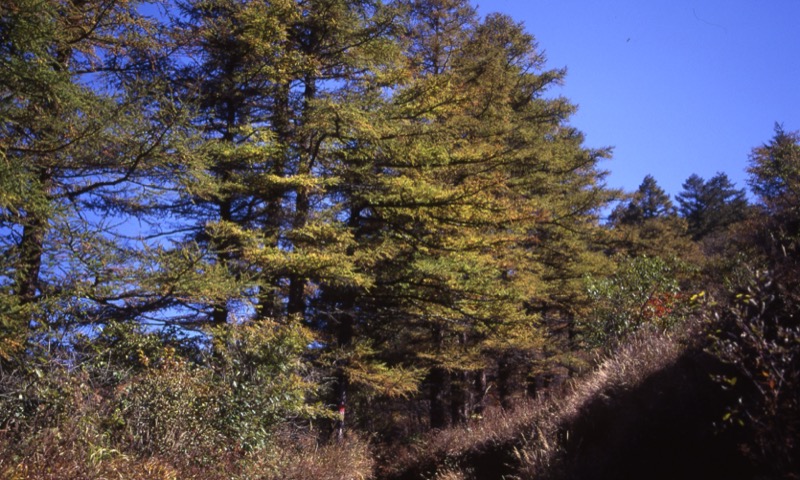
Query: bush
[[126, 403], [644, 291], [759, 336]]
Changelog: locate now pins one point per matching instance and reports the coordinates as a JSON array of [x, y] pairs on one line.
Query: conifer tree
[[649, 201], [259, 229], [466, 158], [263, 84], [775, 179], [775, 172], [712, 205], [389, 181], [75, 131], [648, 224]]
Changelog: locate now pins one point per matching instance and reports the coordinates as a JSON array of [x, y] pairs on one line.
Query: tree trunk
[[481, 389], [269, 301], [439, 386], [344, 339], [505, 378], [31, 248], [296, 304], [460, 397], [438, 381], [297, 283]]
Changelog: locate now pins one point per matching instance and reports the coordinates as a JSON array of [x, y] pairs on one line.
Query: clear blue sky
[[676, 87]]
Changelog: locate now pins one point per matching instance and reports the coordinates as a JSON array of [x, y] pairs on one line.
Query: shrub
[[126, 403], [759, 336], [644, 291]]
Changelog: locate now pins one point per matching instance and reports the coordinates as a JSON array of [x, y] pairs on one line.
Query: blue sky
[[676, 87]]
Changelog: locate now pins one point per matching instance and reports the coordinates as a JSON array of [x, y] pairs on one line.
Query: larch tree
[[392, 181], [464, 162], [255, 210], [75, 132], [249, 190]]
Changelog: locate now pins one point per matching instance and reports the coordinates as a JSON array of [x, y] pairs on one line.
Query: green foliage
[[374, 378], [472, 195], [145, 393], [77, 126], [775, 172], [172, 410], [711, 206], [648, 202], [243, 388], [648, 225], [775, 178], [390, 183], [757, 331], [261, 380], [377, 206], [644, 291]]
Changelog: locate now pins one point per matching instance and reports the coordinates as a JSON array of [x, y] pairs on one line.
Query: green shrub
[[260, 373], [643, 291]]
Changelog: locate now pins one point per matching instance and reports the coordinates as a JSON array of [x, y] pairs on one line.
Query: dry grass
[[77, 447], [57, 455], [531, 439], [435, 450], [644, 354], [306, 459], [533, 433]]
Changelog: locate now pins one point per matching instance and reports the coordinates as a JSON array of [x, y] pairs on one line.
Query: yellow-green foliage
[[262, 379]]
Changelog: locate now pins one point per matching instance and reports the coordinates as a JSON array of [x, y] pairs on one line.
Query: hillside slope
[[652, 410]]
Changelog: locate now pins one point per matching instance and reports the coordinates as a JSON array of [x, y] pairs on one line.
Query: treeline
[[222, 221]]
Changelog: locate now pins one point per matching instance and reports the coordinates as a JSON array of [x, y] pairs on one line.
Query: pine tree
[[711, 206], [649, 201]]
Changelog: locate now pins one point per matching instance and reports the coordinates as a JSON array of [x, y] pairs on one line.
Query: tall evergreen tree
[[649, 201], [390, 177], [250, 197], [775, 179], [256, 212], [775, 172], [711, 206], [648, 224], [466, 159]]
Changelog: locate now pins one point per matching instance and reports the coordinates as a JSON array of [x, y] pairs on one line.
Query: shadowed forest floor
[[654, 416]]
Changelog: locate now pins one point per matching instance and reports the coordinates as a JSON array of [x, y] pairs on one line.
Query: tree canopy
[[709, 206], [393, 178]]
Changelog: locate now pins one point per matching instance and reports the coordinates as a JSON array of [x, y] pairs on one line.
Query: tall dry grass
[[529, 440], [643, 354], [67, 453]]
